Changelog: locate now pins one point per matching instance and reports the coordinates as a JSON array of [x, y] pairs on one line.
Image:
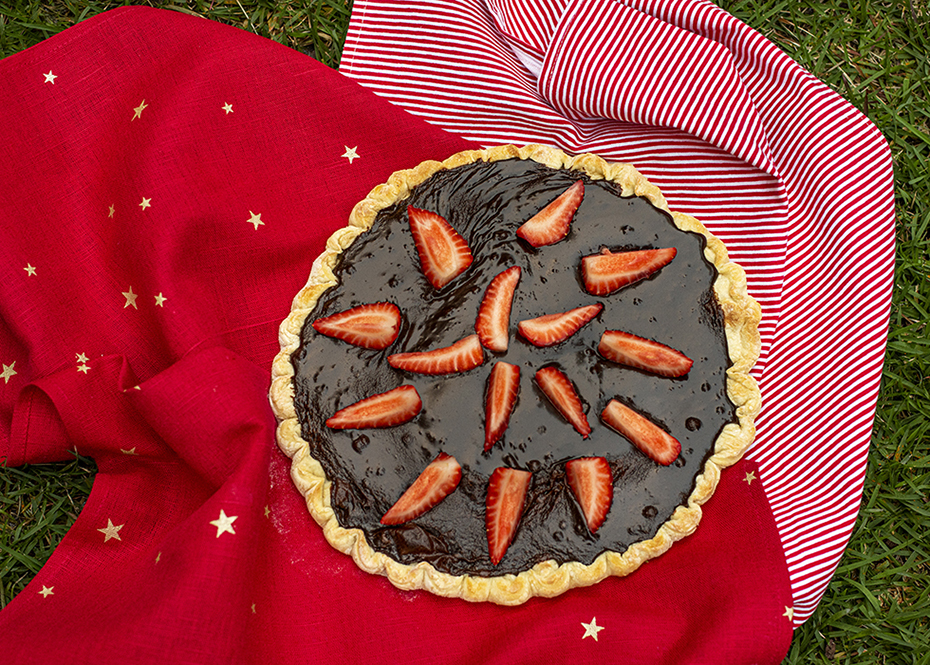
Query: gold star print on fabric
[[112, 211], [591, 629], [750, 477], [350, 153], [146, 203], [789, 612], [47, 591], [228, 108], [131, 451], [223, 524], [111, 531], [139, 109], [8, 372], [160, 300], [130, 298], [81, 358], [50, 78], [256, 220], [84, 369], [30, 270]]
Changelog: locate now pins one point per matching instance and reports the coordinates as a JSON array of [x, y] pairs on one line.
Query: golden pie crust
[[547, 579]]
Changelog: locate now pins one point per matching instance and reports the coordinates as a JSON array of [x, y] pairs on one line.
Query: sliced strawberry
[[435, 483], [607, 272], [373, 326], [444, 254], [382, 410], [645, 354], [503, 509], [551, 329], [503, 387], [493, 321], [551, 224], [560, 391], [652, 440], [592, 484], [462, 356]]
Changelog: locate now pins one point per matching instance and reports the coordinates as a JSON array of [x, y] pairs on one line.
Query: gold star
[[139, 109], [130, 298], [789, 612], [228, 108], [8, 372], [47, 591], [591, 629], [223, 524], [83, 368], [146, 203], [750, 477], [131, 451], [81, 358], [267, 511], [256, 220], [158, 557], [50, 78], [253, 608], [30, 270], [350, 153], [160, 300], [112, 211], [112, 531]]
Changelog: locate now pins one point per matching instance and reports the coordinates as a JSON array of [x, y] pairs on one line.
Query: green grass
[[38, 504], [873, 53]]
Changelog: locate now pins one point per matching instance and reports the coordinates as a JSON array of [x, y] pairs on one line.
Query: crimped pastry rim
[[547, 579]]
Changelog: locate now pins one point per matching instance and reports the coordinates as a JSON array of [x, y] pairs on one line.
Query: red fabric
[[144, 339]]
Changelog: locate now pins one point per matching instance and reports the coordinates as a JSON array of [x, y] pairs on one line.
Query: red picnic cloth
[[167, 183]]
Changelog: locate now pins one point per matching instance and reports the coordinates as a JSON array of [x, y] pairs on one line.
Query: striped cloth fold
[[794, 180]]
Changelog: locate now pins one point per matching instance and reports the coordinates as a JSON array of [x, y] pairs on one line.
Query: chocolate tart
[[697, 304]]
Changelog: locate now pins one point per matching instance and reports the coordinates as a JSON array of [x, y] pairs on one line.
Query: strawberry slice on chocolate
[[645, 354], [561, 392], [550, 329], [552, 223], [592, 483], [504, 508], [382, 410], [493, 321], [444, 254], [503, 387], [437, 481], [652, 440], [608, 271], [462, 356], [371, 326]]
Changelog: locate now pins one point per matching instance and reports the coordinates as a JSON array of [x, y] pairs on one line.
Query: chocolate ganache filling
[[486, 203]]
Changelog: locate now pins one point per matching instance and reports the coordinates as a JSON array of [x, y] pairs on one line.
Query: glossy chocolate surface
[[486, 203]]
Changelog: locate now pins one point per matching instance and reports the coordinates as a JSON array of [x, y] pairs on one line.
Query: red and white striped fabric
[[794, 180]]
